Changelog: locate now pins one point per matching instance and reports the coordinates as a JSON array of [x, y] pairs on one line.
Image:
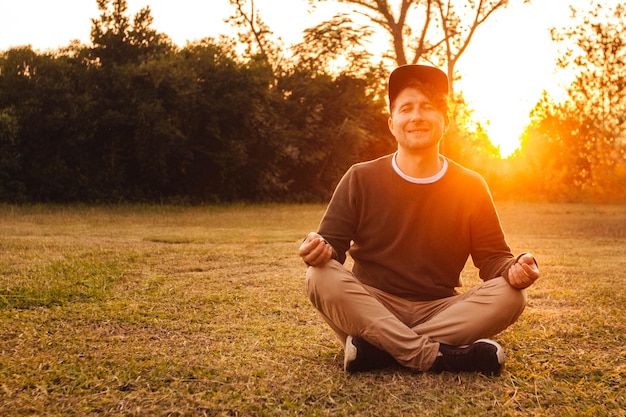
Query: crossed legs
[[410, 331]]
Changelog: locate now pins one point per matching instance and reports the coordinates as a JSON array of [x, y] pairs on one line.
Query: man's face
[[415, 123]]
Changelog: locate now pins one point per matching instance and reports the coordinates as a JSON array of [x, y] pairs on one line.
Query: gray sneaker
[[484, 356], [360, 356]]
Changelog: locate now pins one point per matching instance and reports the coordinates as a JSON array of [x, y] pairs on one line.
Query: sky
[[510, 61]]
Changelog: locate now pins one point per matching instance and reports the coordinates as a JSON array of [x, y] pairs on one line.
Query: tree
[[227, 112], [46, 96], [336, 108], [331, 98], [129, 117], [549, 160], [10, 160], [435, 31], [334, 46], [596, 106], [254, 33], [116, 40]]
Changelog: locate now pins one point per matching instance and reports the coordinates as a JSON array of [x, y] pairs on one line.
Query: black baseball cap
[[424, 73]]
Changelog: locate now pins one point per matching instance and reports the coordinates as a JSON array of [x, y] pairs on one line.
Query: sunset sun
[[507, 67]]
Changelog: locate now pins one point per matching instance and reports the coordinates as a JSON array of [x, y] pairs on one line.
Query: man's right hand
[[315, 251]]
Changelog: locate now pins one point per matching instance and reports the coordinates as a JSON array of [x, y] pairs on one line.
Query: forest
[[132, 117]]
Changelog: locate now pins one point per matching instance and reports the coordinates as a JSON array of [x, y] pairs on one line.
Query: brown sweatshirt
[[413, 240]]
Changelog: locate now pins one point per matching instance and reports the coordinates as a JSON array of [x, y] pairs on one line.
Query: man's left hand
[[524, 272]]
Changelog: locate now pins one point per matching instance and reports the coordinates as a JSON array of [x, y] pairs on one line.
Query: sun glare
[[505, 134], [507, 67], [503, 118]]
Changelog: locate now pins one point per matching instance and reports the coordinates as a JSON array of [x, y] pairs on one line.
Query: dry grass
[[158, 311]]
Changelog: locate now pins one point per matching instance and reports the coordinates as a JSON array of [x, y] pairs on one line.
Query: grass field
[[159, 311]]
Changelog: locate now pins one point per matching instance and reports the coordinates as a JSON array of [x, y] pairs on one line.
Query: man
[[410, 221]]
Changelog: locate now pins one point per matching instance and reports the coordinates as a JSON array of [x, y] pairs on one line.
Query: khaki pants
[[411, 330]]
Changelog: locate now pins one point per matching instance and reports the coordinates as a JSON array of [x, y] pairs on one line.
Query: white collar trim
[[414, 180]]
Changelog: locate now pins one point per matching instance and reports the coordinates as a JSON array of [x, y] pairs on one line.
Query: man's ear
[[390, 124]]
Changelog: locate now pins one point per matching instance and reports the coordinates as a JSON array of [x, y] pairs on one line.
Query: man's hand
[[315, 250], [524, 272]]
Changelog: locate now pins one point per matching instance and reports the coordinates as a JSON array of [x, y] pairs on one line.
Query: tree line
[[132, 117]]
